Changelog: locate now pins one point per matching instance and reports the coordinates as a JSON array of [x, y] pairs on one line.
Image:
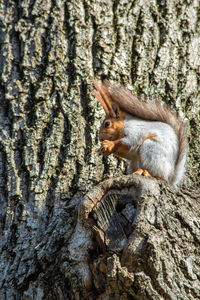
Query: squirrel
[[149, 135]]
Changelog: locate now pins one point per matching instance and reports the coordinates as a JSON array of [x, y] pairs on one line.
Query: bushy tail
[[152, 112]]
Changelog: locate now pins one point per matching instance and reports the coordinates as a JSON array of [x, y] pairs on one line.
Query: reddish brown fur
[[98, 96], [104, 98], [113, 132]]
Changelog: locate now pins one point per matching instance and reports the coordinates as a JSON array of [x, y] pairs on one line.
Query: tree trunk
[[64, 232]]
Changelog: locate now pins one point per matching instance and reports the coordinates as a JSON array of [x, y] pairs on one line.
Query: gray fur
[[159, 155]]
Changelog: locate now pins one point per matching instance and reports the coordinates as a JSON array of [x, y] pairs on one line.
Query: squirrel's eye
[[107, 124]]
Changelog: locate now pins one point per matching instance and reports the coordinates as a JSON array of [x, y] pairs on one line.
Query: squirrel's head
[[112, 127]]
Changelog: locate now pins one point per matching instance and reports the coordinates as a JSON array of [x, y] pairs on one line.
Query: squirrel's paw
[[142, 172], [107, 147]]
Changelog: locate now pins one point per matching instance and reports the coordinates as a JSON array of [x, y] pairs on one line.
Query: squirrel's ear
[[115, 110]]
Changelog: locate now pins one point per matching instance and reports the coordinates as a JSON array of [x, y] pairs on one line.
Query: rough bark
[[50, 248]]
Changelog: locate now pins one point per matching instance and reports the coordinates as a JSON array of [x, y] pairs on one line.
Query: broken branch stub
[[112, 208], [144, 239]]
